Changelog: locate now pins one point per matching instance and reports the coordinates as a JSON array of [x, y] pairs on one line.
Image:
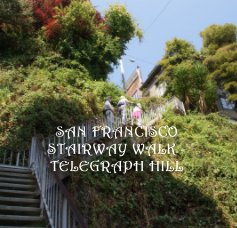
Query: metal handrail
[[55, 199], [14, 158]]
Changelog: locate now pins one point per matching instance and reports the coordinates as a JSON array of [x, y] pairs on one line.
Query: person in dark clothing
[[108, 112]]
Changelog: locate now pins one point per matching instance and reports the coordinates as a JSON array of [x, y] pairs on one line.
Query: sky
[[162, 20]]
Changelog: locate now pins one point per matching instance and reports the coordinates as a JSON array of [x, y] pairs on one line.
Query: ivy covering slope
[[204, 195]]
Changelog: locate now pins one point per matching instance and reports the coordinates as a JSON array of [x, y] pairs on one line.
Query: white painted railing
[[55, 199], [12, 158]]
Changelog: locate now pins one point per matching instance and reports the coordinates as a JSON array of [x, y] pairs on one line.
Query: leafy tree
[[72, 28], [190, 83], [216, 36], [64, 83], [182, 82], [43, 100], [192, 86], [223, 69], [176, 51], [186, 76], [115, 19], [45, 11], [199, 73], [95, 43], [15, 25]]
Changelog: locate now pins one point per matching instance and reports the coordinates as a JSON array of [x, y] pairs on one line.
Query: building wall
[[161, 89], [155, 90], [134, 83], [134, 87]]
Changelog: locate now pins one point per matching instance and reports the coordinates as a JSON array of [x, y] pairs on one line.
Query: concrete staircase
[[19, 199]]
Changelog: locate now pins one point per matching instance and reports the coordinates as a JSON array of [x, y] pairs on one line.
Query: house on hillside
[[134, 84], [151, 87]]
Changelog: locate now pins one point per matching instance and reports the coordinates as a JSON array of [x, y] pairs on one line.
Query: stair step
[[17, 186], [16, 180], [19, 208], [18, 200], [17, 226], [22, 221], [15, 169], [21, 218], [9, 174], [18, 193]]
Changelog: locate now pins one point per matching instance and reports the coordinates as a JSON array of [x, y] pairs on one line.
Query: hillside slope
[[204, 195]]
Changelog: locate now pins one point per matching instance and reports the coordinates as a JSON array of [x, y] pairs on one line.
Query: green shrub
[[203, 195]]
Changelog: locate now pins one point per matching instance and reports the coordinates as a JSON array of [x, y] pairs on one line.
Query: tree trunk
[[202, 102], [187, 102]]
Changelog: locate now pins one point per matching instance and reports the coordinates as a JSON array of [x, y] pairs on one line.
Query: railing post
[[4, 157], [10, 162], [17, 158], [22, 158], [64, 214], [43, 180], [32, 149]]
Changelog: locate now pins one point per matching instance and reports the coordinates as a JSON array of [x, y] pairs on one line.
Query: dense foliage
[[217, 36], [203, 195], [191, 85], [54, 60], [186, 76], [177, 51], [206, 147], [74, 29], [194, 77], [223, 69], [16, 26], [219, 50]]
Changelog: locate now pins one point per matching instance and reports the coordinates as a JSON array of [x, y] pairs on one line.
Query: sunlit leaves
[[216, 36], [223, 68]]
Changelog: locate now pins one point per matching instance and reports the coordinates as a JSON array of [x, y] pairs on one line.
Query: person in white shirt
[[122, 104]]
